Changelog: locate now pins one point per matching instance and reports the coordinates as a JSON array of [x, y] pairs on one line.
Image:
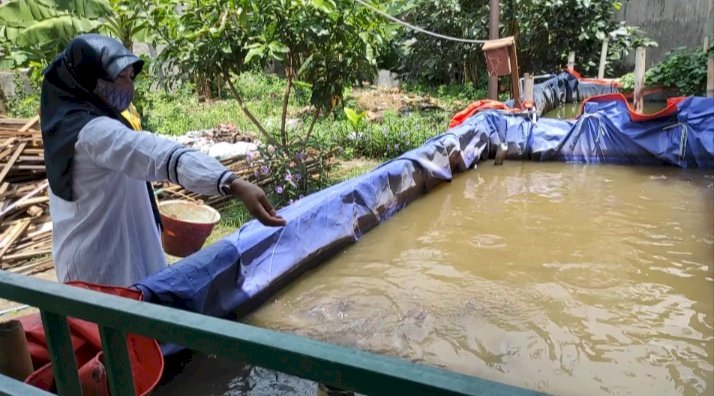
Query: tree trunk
[[3, 102]]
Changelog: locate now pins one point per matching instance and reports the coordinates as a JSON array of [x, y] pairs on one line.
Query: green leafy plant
[[683, 69], [545, 32], [622, 41], [126, 23], [36, 30], [24, 104], [354, 118], [627, 82], [324, 45], [289, 171], [202, 41], [392, 137], [436, 61]]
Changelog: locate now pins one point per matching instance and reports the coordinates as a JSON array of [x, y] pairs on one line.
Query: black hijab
[[67, 102]]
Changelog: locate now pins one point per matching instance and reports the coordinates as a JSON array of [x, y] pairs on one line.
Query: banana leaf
[[62, 28]]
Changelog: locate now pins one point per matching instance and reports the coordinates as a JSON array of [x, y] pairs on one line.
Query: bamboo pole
[[603, 59], [640, 57], [528, 87], [493, 35], [710, 69], [571, 61]]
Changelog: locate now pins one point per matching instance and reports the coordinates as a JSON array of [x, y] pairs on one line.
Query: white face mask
[[118, 96]]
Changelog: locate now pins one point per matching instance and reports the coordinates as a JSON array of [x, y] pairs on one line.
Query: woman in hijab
[[106, 226]]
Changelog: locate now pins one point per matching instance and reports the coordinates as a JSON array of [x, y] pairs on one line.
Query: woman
[[106, 226]]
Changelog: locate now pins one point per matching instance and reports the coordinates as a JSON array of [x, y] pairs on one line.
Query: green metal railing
[[333, 365]]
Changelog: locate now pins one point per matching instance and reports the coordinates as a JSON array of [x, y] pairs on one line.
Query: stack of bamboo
[[26, 230]]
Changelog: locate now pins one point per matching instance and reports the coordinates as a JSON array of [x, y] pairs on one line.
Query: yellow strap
[[133, 117]]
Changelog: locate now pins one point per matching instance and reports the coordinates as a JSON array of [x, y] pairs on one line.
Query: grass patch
[[175, 113]]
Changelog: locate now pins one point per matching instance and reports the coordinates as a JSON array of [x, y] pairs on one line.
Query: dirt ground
[[375, 101]]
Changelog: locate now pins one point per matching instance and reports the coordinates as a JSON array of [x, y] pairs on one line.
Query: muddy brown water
[[572, 110], [568, 279]]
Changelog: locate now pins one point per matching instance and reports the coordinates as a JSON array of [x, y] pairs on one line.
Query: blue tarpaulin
[[235, 274], [566, 88]]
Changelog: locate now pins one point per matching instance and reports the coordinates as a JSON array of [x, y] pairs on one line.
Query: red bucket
[[187, 225]]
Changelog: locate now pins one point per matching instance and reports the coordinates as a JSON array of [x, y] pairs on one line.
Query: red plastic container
[[187, 225]]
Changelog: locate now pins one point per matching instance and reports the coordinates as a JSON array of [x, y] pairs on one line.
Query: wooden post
[[515, 80], [493, 35], [706, 43], [710, 77], [571, 61], [528, 87], [640, 57], [603, 59]]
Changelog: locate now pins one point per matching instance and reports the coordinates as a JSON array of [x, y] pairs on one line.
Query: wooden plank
[[12, 121], [26, 255], [515, 81], [33, 267], [499, 43], [40, 152], [7, 142], [35, 211], [34, 120], [603, 59], [29, 167], [40, 230], [30, 158], [23, 203], [18, 230], [640, 57], [39, 220], [15, 133], [32, 246], [13, 216], [6, 152], [6, 168], [29, 244]]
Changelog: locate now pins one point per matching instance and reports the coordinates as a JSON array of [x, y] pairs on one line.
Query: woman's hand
[[256, 202]]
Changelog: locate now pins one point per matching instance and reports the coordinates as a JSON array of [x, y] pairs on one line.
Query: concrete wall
[[8, 80], [672, 23]]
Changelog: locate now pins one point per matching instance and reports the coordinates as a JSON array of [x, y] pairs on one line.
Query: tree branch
[[289, 75], [247, 112], [312, 125]]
